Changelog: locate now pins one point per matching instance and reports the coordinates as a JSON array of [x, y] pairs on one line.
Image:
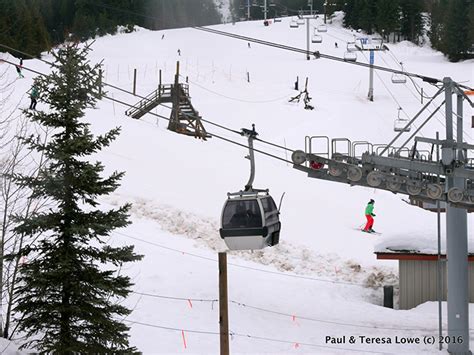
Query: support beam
[[456, 244], [307, 40], [370, 96]]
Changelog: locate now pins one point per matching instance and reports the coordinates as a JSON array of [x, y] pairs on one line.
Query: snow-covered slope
[[323, 269]]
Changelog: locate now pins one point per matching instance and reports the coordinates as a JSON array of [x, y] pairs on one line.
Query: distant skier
[[179, 52], [248, 44], [34, 96], [335, 45], [163, 36], [369, 214]]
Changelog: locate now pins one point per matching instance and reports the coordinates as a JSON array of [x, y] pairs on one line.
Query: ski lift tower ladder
[[184, 117]]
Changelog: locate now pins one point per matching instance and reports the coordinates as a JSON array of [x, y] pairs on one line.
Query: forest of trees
[[37, 25], [449, 24]]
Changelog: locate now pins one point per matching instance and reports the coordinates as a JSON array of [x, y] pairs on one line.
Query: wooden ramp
[[184, 119]]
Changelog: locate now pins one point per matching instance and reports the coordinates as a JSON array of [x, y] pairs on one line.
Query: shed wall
[[418, 282]]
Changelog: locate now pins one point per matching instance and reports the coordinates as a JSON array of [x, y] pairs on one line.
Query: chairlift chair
[[322, 28], [293, 24], [317, 39], [399, 78], [400, 124], [351, 47], [300, 21], [350, 56], [250, 218]]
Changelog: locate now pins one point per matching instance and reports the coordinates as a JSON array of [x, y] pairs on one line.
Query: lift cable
[[143, 97], [317, 54], [168, 119], [105, 83], [426, 97]]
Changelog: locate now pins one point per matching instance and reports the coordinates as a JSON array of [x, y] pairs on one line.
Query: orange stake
[[184, 338]]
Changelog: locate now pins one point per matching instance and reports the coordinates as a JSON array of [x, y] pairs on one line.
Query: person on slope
[[34, 97], [369, 214]]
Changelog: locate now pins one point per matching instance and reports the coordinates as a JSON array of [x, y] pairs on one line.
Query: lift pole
[[223, 305], [456, 235], [370, 96], [307, 40], [453, 189], [265, 10]]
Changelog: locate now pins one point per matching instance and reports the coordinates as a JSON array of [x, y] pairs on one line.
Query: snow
[[323, 269], [8, 347]]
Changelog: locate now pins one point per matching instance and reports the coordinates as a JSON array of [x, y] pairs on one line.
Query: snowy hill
[[317, 280]]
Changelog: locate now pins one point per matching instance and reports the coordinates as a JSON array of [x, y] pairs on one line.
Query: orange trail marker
[[184, 339]]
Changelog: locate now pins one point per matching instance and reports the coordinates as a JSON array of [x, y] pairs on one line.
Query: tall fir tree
[[387, 20], [67, 298], [412, 20], [437, 29], [457, 41]]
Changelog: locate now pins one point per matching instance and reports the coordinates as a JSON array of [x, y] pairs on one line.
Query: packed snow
[[323, 280]]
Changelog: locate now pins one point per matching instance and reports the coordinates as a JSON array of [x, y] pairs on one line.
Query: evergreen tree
[[68, 290], [437, 24], [387, 20], [412, 20], [457, 42]]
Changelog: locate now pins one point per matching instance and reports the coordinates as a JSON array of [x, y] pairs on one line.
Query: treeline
[[449, 24], [452, 28], [36, 25]]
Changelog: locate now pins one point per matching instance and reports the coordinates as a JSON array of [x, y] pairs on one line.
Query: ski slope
[[323, 270]]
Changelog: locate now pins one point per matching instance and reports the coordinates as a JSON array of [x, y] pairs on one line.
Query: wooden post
[[223, 305], [173, 125], [134, 81]]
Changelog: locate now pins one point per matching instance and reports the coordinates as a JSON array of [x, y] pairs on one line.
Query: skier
[[163, 36], [335, 45], [33, 96], [248, 44], [179, 52], [369, 215]]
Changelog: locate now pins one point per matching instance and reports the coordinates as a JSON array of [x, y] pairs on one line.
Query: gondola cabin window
[[242, 214]]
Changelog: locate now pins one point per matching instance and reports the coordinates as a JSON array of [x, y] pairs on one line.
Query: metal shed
[[418, 277]]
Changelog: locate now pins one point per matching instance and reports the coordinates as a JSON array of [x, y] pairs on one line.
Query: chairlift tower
[[307, 15], [449, 180], [265, 10], [371, 45]]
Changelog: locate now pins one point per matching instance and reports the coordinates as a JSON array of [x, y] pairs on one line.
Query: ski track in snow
[[285, 257]]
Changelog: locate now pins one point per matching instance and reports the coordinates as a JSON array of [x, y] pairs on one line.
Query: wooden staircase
[[184, 117], [161, 95]]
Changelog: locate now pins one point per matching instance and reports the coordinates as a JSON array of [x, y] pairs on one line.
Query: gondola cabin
[[250, 221]]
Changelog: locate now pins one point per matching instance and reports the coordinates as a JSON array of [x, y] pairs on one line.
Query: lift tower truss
[[414, 172]]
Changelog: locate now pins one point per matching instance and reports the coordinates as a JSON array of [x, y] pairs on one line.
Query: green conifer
[[69, 288]]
